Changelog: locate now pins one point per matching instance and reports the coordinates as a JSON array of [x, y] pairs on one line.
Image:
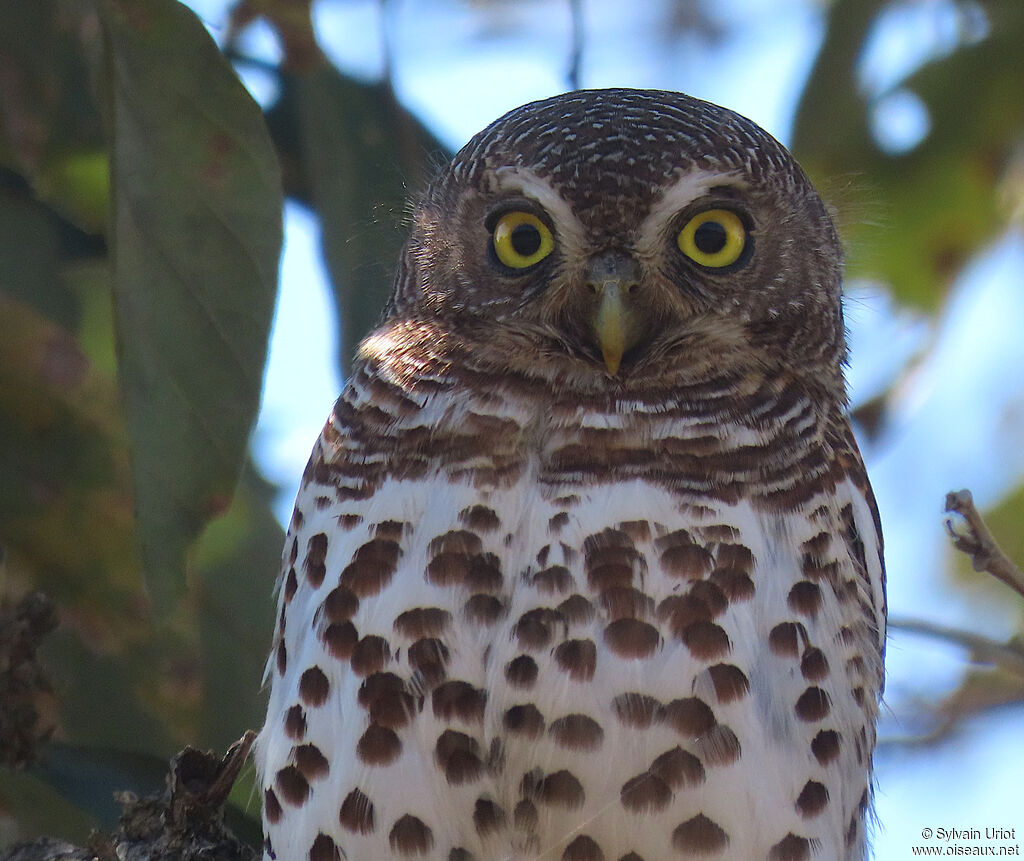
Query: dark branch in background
[[978, 543], [999, 680], [576, 52], [185, 823], [982, 650]]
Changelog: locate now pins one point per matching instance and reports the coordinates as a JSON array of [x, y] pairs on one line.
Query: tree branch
[[978, 543]]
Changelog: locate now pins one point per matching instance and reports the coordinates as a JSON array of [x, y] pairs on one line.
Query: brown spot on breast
[[390, 530], [372, 567], [316, 554], [558, 521], [636, 710], [631, 638], [706, 640], [271, 806], [370, 655], [690, 717], [637, 530], [699, 835], [488, 817], [684, 559], [813, 704], [678, 768], [521, 672], [791, 848], [524, 719], [314, 687], [422, 622], [282, 657], [578, 658], [459, 700], [729, 681], [645, 793], [812, 799], [390, 705], [805, 598], [480, 517], [555, 580], [295, 722], [357, 813], [324, 849], [524, 817], [610, 559], [625, 602], [484, 573], [459, 755], [410, 836], [293, 787], [341, 640], [378, 745], [484, 609], [632, 856], [291, 585], [535, 627], [310, 761], [825, 746], [561, 789], [719, 745], [786, 638], [814, 664], [460, 854], [736, 585], [583, 848], [711, 595], [577, 610], [429, 657], [576, 732], [350, 521], [340, 605]]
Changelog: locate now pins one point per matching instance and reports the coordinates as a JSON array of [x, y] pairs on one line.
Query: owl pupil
[[526, 240], [710, 237]]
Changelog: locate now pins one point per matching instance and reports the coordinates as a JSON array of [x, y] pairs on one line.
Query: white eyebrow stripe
[[524, 181], [691, 186]]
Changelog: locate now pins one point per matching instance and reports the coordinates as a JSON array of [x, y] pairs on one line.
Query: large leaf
[[197, 232], [357, 155], [912, 220]]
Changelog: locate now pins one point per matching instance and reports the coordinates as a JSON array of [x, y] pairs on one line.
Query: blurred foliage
[[140, 196]]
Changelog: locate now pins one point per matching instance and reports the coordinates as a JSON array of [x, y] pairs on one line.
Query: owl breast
[[580, 633]]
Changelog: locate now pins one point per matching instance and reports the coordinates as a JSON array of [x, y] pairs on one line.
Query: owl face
[[616, 232]]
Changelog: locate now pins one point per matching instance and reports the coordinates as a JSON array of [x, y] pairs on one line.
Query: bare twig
[[1006, 656], [978, 543]]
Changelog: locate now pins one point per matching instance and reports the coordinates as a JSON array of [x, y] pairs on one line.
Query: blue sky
[[958, 418]]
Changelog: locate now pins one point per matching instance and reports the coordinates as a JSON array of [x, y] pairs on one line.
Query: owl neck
[[418, 406]]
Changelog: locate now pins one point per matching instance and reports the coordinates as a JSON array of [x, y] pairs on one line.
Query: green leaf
[[914, 219], [197, 234], [236, 562], [361, 155]]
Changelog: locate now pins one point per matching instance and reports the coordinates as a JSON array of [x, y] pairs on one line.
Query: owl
[[585, 564]]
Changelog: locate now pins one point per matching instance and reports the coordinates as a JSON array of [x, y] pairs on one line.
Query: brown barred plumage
[[585, 564]]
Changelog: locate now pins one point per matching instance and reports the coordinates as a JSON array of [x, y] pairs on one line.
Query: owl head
[[611, 238]]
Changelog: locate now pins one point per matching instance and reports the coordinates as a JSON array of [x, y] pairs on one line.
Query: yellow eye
[[713, 238], [521, 239]]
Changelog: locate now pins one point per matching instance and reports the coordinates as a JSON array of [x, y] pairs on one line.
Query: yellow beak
[[610, 326]]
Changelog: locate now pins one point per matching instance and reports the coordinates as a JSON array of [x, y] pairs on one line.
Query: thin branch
[[978, 543], [1006, 656]]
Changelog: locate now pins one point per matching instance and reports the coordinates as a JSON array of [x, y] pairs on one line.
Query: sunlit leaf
[[198, 230]]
